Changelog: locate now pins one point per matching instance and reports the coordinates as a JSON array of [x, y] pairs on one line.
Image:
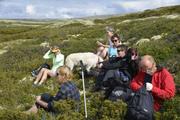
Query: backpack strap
[[147, 78], [128, 74]]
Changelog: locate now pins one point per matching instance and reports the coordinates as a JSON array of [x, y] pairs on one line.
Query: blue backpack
[[140, 107]]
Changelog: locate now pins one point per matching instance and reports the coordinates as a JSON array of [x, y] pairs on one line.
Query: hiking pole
[[84, 91]]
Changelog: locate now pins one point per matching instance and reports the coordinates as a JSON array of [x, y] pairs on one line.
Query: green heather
[[20, 52]]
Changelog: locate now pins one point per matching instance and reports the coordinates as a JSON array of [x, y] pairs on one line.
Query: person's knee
[[43, 69], [46, 71]]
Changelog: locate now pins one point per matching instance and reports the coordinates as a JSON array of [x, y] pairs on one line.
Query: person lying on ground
[[161, 85], [58, 60], [67, 90]]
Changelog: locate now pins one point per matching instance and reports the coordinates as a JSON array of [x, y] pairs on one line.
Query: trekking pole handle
[[82, 65]]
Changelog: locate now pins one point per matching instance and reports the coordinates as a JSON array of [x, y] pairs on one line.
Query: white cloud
[[30, 9], [53, 14], [66, 16], [76, 9], [84, 11], [140, 5], [134, 5]]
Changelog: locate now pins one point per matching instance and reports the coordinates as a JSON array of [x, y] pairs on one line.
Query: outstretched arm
[[114, 65], [102, 45]]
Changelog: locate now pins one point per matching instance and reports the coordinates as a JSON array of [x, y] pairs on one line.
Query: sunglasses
[[119, 50], [134, 54], [114, 41]]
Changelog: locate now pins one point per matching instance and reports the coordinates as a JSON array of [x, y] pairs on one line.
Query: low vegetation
[[17, 93]]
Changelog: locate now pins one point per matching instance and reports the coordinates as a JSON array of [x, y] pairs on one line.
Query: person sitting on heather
[[58, 60], [67, 91], [118, 68], [161, 82], [112, 50], [102, 50], [113, 65]]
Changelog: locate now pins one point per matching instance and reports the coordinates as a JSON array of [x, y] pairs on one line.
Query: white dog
[[90, 60]]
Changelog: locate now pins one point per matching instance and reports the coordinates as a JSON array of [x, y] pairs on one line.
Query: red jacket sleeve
[[137, 82], [167, 90]]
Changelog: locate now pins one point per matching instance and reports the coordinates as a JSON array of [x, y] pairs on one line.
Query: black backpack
[[35, 72], [46, 97], [140, 107], [121, 93]]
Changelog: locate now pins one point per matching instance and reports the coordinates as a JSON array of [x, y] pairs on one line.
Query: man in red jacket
[[162, 85]]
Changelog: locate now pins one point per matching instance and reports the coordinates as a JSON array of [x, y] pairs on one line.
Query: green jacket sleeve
[[48, 55]]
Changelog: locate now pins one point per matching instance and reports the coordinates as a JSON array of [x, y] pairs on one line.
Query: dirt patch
[[2, 51]]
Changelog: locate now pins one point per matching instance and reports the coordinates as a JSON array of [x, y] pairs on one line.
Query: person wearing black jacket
[[118, 71], [119, 84], [109, 67], [125, 60]]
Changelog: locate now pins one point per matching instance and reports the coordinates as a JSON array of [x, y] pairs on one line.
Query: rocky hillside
[[23, 43]]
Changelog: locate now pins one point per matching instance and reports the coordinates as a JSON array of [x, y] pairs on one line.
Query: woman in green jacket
[[58, 61]]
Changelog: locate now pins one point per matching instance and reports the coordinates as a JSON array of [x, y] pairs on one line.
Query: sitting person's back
[[67, 91]]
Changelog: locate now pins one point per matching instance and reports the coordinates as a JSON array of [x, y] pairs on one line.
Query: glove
[[149, 86]]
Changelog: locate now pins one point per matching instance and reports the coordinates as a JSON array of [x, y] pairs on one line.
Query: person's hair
[[132, 51], [66, 72], [55, 47], [122, 47], [150, 58], [115, 36]]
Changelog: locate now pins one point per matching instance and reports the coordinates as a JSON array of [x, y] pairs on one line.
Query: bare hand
[[99, 43], [38, 98]]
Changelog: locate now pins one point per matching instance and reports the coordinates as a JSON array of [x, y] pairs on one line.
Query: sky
[[65, 9]]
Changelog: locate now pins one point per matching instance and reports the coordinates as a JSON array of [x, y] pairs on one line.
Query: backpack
[[35, 72], [140, 107], [121, 93], [46, 97]]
